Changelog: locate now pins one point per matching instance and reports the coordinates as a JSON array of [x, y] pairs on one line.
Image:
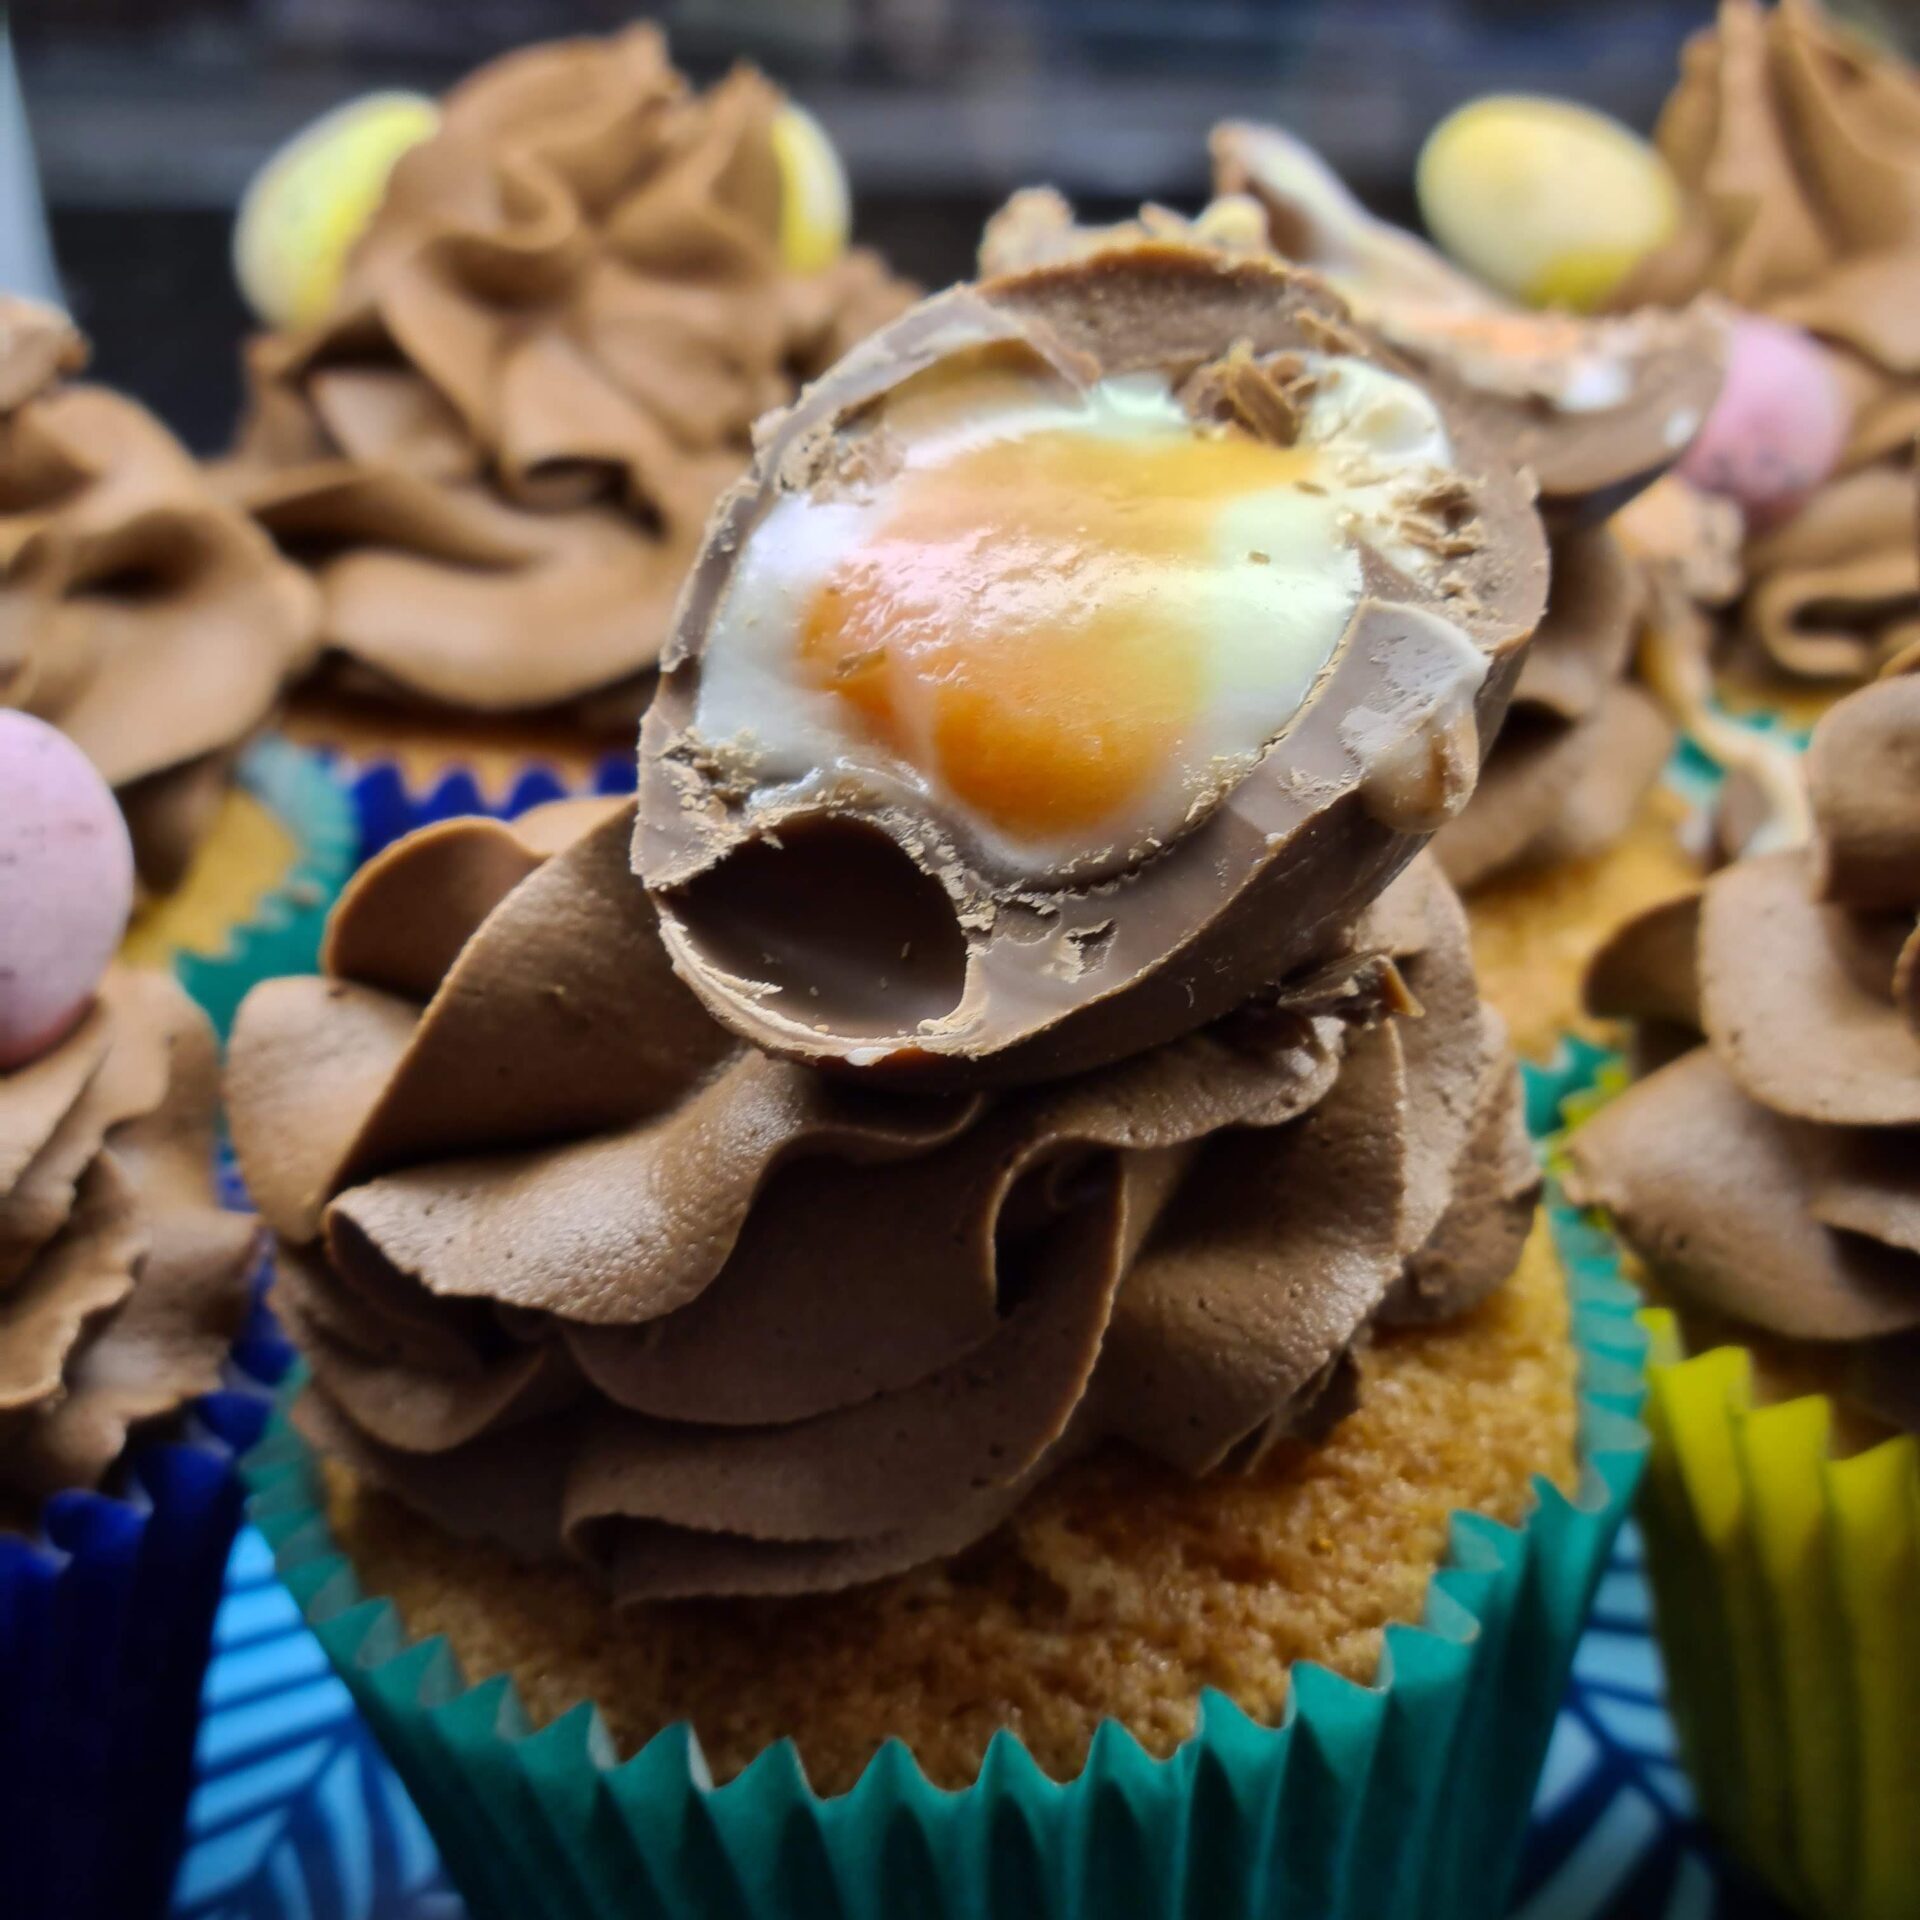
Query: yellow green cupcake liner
[[1785, 1581]]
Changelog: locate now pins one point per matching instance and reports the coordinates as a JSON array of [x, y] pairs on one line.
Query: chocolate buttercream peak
[[122, 1280], [1797, 142]]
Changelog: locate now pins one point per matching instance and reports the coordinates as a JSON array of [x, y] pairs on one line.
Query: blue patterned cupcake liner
[[106, 1618], [387, 807], [340, 815], [1409, 1794]]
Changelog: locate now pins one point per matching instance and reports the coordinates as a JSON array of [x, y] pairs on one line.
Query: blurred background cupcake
[[493, 430], [1766, 1175], [155, 625], [123, 1285], [1797, 142]]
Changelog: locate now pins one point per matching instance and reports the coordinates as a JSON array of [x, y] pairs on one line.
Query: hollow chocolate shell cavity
[[1082, 654]]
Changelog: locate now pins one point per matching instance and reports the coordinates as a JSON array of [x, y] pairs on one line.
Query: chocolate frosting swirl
[[122, 1279], [1798, 142], [139, 613], [579, 1270], [1771, 1176], [498, 452]]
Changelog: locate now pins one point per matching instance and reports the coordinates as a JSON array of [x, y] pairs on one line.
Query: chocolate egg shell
[[1598, 408], [858, 934], [1591, 461]]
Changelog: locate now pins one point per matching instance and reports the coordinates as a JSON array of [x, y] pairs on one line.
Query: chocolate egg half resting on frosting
[[1082, 653], [1598, 408]]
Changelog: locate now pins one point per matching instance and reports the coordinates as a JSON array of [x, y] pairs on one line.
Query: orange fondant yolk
[[1016, 627]]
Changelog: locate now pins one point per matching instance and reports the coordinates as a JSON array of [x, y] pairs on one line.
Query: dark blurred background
[[150, 115]]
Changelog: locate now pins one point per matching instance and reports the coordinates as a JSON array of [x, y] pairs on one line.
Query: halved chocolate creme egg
[[1598, 408], [1081, 655]]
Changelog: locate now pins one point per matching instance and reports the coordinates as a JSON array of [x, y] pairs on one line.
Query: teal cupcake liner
[[284, 934], [1364, 1803]]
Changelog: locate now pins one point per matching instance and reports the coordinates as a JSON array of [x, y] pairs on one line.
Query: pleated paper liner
[[424, 747], [106, 1618], [255, 902], [1785, 1581], [1407, 1796], [388, 802]]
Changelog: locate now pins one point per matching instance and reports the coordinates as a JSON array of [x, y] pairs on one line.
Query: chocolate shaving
[[1241, 389]]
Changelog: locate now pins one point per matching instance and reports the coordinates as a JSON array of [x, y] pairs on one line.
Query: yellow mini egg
[[304, 209], [816, 208], [1549, 202]]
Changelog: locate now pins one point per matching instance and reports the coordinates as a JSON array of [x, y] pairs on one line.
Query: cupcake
[[1798, 143], [962, 1268], [123, 1283], [1765, 1176], [150, 622], [496, 451], [1565, 832]]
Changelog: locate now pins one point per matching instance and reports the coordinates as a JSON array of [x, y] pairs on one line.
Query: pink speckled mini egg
[[1779, 427], [66, 885]]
